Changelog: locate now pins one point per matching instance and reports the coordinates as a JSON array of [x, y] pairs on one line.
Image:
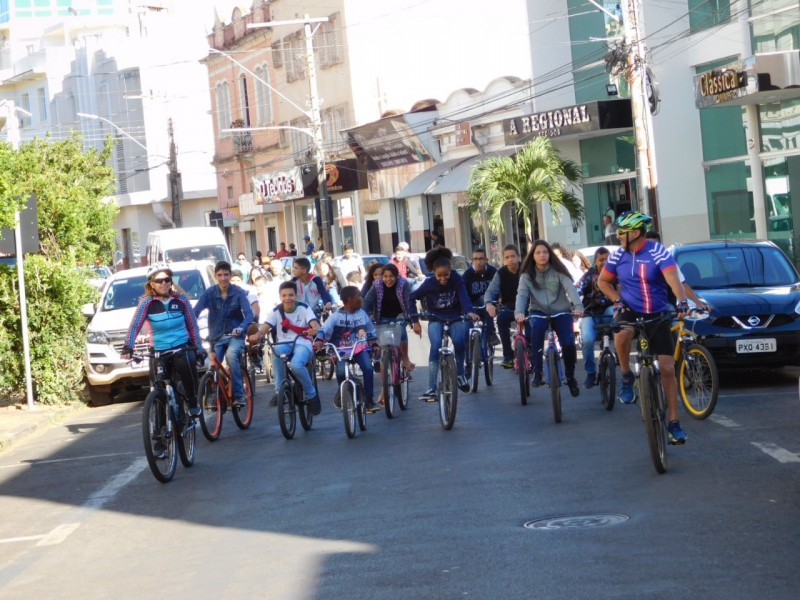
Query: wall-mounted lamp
[[611, 89]]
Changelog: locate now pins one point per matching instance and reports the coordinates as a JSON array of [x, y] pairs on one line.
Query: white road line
[[115, 484], [58, 535], [780, 454], [26, 538], [723, 420], [24, 463]]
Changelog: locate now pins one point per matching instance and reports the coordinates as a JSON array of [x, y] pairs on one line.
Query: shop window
[[775, 26], [708, 13], [730, 204], [608, 155]]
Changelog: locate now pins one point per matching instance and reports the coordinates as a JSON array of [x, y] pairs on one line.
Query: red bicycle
[[522, 363], [215, 396]]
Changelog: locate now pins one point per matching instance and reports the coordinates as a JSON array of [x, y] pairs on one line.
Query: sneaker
[[159, 449], [494, 340], [463, 384], [572, 384], [376, 366], [195, 412], [337, 400], [314, 405], [677, 435], [537, 380], [590, 381], [274, 400], [508, 364], [372, 407], [429, 396], [625, 394], [238, 402]]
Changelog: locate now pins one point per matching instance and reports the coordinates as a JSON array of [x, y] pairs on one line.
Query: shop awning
[[424, 181], [457, 180]]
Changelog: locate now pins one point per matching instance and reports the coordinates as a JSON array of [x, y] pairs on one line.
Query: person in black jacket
[[500, 298], [477, 279]]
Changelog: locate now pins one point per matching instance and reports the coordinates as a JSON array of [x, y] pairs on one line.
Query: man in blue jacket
[[229, 314], [477, 279]]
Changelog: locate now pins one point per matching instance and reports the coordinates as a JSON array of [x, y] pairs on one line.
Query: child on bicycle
[[446, 298], [352, 325], [291, 320], [546, 291]]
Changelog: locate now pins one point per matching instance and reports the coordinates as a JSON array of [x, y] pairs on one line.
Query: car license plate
[[756, 345]]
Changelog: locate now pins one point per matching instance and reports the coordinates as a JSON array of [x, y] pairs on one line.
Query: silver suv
[[106, 372]]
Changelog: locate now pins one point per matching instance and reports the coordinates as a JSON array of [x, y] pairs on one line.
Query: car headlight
[[797, 308], [96, 337]]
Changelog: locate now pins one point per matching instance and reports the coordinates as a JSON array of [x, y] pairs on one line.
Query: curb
[[18, 424]]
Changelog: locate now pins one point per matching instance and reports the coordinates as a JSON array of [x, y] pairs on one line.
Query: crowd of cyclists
[[548, 286]]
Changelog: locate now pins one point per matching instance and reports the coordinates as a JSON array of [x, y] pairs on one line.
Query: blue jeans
[[364, 360], [589, 335], [298, 364], [232, 348], [562, 324], [505, 317], [458, 333]]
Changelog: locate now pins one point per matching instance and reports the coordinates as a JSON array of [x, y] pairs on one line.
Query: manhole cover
[[577, 521]]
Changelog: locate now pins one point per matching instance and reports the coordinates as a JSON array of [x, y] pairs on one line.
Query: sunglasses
[[163, 280]]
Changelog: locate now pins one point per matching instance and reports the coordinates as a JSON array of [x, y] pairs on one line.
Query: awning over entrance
[[457, 180], [423, 182]]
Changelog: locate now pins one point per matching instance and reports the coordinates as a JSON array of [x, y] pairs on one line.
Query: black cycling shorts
[[659, 334]]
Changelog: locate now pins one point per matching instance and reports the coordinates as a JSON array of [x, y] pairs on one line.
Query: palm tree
[[536, 174]]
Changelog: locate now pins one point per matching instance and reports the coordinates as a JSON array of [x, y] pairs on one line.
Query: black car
[[755, 292]]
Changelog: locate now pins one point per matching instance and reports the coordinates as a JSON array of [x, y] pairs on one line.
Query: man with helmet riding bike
[[646, 272], [168, 313]]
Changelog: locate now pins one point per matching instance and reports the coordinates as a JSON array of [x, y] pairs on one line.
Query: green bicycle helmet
[[632, 220]]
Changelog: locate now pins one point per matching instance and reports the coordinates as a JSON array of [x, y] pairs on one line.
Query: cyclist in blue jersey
[[229, 314], [646, 272], [168, 313]]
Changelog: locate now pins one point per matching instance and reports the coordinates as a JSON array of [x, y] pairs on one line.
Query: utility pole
[[175, 183], [646, 175], [314, 119]]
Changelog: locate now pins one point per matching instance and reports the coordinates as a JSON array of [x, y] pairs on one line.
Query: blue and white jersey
[[643, 287]]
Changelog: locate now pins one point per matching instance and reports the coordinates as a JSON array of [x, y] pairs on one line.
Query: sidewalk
[[17, 422]]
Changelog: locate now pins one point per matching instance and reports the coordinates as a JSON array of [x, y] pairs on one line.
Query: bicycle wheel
[[698, 381], [209, 400], [287, 410], [243, 415], [187, 435], [159, 437], [653, 416], [404, 388], [387, 383], [448, 391], [475, 355], [303, 408], [328, 369], [607, 375], [349, 408], [522, 371], [555, 383], [361, 407], [488, 365]]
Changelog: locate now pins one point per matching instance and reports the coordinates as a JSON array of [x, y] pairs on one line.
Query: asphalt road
[[407, 510]]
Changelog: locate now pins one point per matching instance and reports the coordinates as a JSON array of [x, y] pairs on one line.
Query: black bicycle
[[291, 401], [607, 366], [168, 430], [479, 353]]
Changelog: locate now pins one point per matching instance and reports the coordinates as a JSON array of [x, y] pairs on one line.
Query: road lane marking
[[780, 454], [723, 420], [24, 538], [58, 535], [23, 463], [115, 484]]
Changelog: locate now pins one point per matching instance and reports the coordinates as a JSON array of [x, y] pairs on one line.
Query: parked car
[[755, 292], [106, 372], [366, 259], [589, 251], [460, 263]]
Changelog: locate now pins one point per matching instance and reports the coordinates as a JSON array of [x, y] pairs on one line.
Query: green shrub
[[57, 330]]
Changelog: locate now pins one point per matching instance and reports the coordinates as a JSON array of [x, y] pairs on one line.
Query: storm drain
[[577, 521]]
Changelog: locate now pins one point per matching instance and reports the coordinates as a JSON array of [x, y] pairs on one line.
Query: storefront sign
[[582, 118], [390, 142], [341, 176], [726, 83], [278, 186]]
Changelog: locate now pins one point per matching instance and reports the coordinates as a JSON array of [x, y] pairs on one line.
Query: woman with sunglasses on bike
[[546, 291], [166, 310]]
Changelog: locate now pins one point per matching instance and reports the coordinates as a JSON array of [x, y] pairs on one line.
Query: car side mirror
[[88, 310]]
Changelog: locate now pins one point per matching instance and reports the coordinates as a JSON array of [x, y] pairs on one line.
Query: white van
[[187, 243]]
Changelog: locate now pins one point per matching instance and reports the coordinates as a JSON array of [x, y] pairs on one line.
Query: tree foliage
[[537, 173], [75, 226]]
